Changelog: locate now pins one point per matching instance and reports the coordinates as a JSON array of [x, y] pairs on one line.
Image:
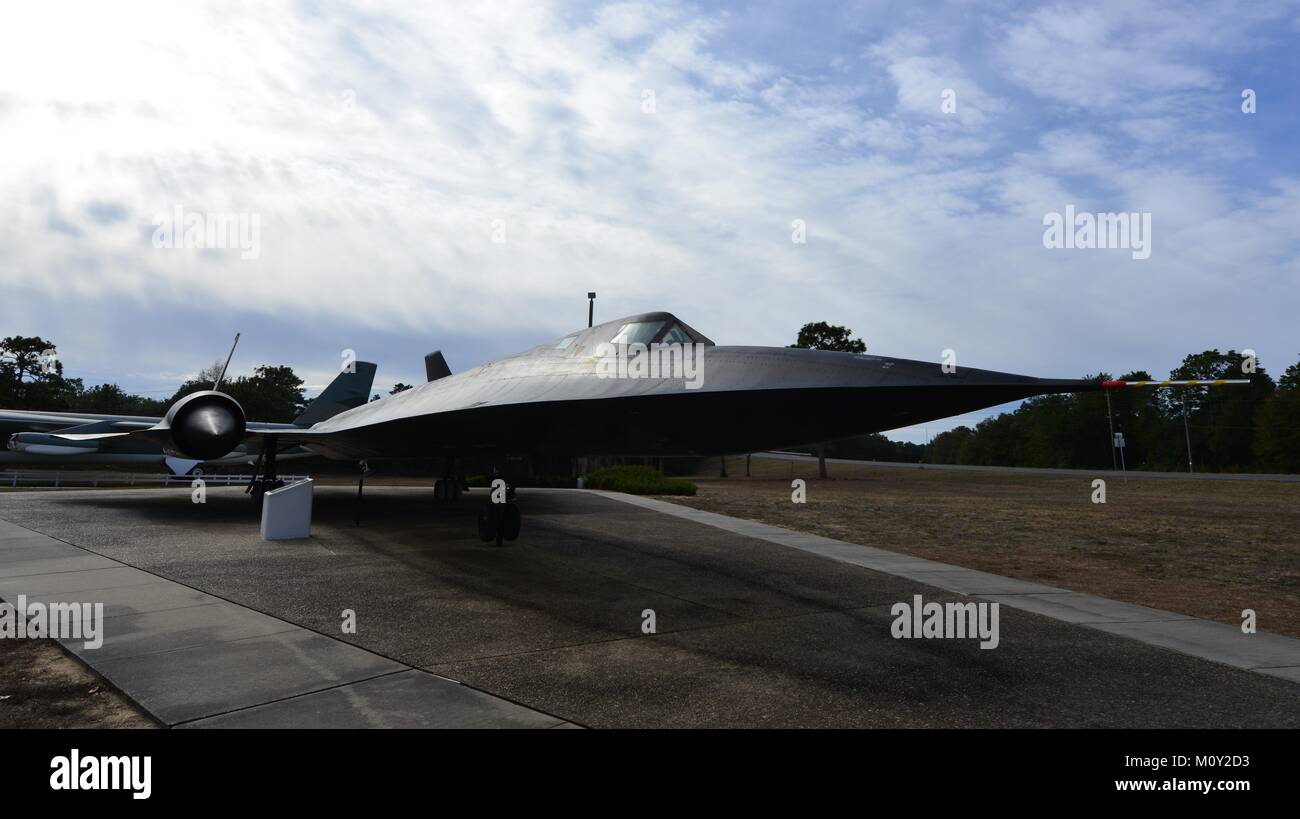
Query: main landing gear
[[499, 522], [499, 519]]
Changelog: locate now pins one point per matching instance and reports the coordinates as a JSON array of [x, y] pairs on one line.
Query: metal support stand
[[266, 479], [257, 470], [271, 447], [361, 483]]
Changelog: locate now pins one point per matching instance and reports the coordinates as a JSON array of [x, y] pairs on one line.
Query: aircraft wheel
[[487, 524], [510, 521], [446, 490]]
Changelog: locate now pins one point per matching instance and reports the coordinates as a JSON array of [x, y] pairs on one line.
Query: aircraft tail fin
[[435, 366], [346, 391]]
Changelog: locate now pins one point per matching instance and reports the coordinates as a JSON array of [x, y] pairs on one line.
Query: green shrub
[[637, 480]]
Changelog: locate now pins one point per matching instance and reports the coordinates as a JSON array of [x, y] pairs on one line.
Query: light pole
[[591, 306]]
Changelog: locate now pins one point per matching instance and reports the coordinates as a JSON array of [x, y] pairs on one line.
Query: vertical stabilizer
[[435, 366], [346, 391]]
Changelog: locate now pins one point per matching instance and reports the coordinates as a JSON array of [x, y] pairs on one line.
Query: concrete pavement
[[1271, 654], [749, 632], [194, 660]]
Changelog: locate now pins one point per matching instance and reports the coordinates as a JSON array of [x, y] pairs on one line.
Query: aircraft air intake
[[205, 425]]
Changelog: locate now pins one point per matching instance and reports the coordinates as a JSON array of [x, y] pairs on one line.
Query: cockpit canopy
[[646, 328]]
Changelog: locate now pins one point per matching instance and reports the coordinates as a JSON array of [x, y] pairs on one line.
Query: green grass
[[638, 480]]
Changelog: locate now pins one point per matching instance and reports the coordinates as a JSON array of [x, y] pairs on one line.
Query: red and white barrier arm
[[1120, 384]]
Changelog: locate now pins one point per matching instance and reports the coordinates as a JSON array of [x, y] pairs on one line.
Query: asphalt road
[[749, 633]]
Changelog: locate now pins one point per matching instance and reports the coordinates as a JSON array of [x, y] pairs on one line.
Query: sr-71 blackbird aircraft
[[643, 385]]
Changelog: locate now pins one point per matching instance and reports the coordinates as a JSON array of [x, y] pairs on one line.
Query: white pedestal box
[[286, 512]]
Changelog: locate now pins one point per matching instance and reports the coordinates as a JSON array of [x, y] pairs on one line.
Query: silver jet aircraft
[[643, 385]]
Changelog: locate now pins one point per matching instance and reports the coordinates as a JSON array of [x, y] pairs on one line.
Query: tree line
[[32, 378], [1247, 428]]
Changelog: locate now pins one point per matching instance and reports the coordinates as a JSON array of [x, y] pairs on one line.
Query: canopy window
[[637, 332], [676, 335]]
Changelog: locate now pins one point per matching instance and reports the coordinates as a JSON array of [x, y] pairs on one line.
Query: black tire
[[487, 529], [510, 521]]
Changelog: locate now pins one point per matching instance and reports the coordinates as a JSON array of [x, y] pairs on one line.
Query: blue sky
[[383, 147]]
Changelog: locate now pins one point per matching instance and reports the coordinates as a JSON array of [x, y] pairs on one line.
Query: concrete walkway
[[194, 660], [1270, 654]]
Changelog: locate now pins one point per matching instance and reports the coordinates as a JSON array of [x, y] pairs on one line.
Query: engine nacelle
[[42, 443], [205, 425]]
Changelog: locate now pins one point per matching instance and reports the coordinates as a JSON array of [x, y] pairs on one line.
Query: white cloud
[[1142, 57], [925, 79], [381, 148]]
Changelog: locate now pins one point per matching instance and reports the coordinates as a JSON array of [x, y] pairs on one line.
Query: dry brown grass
[[42, 687], [1203, 548]]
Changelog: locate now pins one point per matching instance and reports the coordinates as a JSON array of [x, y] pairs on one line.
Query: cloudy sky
[[459, 175]]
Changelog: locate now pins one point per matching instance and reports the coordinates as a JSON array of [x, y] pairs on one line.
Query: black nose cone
[[208, 430]]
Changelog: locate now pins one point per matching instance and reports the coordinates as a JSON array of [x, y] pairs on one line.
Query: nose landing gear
[[446, 489]]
